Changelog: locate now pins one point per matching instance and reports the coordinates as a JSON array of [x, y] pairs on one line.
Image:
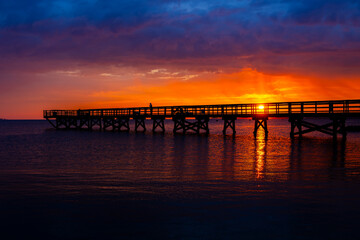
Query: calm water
[[111, 185]]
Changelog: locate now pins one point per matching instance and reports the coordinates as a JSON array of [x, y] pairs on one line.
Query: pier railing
[[315, 108]]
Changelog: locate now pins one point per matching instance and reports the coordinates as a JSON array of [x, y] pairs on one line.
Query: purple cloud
[[137, 33]]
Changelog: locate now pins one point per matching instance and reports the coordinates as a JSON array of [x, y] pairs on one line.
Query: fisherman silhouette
[[151, 108]]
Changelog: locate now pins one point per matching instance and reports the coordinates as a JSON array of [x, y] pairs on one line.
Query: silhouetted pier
[[196, 118]]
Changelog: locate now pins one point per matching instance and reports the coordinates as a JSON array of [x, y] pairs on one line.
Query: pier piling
[[260, 122]]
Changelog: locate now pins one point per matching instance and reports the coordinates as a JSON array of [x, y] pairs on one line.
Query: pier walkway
[[196, 118]]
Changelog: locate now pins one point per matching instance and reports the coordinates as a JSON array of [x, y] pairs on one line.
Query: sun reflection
[[260, 154]]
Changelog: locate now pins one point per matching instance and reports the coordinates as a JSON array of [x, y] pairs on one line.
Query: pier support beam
[[179, 124], [60, 122], [296, 123], [52, 124], [191, 126], [158, 122], [200, 123], [337, 125], [122, 124], [108, 122], [83, 121], [93, 121], [72, 121], [229, 122], [260, 122], [140, 122], [117, 123], [67, 122]]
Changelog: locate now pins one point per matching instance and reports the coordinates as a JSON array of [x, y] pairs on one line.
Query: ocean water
[[57, 184]]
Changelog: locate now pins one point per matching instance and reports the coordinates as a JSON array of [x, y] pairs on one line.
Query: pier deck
[[118, 118]]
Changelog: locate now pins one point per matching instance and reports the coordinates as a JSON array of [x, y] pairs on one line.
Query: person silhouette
[[151, 108]]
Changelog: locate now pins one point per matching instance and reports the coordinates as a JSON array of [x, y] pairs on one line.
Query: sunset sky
[[91, 54]]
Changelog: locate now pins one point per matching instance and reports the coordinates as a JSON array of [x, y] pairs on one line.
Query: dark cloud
[[139, 32], [330, 12]]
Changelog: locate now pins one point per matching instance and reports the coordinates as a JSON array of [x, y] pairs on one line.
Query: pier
[[196, 118]]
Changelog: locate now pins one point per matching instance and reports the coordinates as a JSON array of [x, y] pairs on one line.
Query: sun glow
[[261, 107]]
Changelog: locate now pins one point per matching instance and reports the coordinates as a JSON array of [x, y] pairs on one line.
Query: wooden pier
[[196, 118]]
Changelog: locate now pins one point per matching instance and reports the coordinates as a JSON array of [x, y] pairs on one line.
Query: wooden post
[[335, 127], [339, 126], [260, 122], [179, 123], [108, 122], [289, 108], [158, 122], [296, 122], [202, 122], [140, 122], [331, 108], [120, 122], [229, 121], [101, 119]]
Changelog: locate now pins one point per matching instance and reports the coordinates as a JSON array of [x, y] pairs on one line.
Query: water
[[111, 185]]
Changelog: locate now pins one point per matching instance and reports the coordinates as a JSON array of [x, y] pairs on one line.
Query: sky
[[64, 54]]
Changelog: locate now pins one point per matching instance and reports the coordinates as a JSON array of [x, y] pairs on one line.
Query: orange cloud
[[73, 90], [246, 86]]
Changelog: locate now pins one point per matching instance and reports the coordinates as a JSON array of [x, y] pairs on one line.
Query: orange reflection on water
[[260, 153]]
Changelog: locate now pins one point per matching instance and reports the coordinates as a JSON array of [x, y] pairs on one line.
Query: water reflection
[[229, 157], [202, 158], [204, 186], [339, 150], [295, 159], [260, 149], [317, 159], [99, 160], [179, 155]]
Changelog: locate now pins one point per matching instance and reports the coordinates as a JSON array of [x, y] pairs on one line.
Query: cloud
[[333, 12], [130, 43], [134, 32], [245, 86]]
